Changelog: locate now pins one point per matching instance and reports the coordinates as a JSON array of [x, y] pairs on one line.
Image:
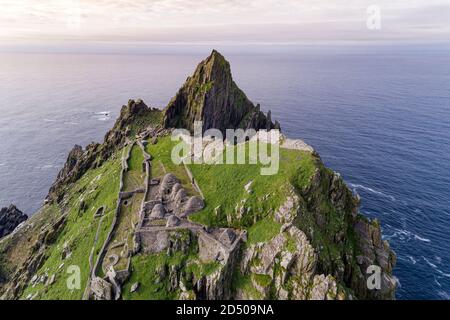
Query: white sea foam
[[103, 115], [414, 261], [431, 264], [421, 239], [443, 295], [404, 235], [355, 187], [397, 280], [46, 166], [442, 273], [437, 282]]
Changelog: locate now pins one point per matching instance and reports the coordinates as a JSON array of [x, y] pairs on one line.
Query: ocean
[[380, 116]]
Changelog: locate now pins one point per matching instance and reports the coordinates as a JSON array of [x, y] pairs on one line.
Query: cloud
[[227, 20]]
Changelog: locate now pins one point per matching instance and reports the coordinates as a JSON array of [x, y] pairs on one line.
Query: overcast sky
[[235, 21]]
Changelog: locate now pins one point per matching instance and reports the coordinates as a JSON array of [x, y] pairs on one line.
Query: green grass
[[144, 271], [244, 283], [161, 153], [263, 231], [98, 187], [129, 214], [152, 118], [263, 280], [223, 185], [134, 177]]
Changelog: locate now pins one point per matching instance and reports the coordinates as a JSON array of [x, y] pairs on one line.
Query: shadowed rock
[[211, 95], [10, 218]]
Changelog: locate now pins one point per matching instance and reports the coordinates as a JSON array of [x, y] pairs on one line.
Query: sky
[[223, 21]]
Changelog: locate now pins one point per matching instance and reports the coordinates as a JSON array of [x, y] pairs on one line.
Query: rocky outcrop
[[211, 95], [347, 243], [10, 218], [35, 259], [134, 117]]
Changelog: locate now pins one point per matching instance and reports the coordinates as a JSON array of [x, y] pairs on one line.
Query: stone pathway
[[165, 207]]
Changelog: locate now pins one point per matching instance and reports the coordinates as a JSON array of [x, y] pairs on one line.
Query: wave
[[46, 166], [444, 295], [414, 261], [103, 115], [355, 187], [435, 267], [404, 235], [397, 280], [431, 264], [421, 239], [437, 282]]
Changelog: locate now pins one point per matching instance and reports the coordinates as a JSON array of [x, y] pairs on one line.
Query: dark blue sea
[[379, 115]]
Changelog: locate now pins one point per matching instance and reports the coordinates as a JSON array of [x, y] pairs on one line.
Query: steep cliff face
[[295, 235], [347, 243], [10, 218], [211, 95], [133, 117]]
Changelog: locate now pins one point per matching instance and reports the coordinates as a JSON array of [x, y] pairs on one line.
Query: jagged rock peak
[[210, 95], [134, 117], [10, 218]]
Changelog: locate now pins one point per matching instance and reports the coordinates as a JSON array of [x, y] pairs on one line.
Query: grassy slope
[[134, 179], [162, 163], [222, 185], [98, 188], [135, 174]]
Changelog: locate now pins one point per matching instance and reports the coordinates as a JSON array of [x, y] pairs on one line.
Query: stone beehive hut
[[167, 183], [193, 204], [158, 212]]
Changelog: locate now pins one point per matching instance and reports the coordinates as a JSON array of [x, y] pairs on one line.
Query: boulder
[[134, 287]]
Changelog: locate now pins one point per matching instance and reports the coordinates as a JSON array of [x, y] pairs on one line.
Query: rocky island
[[131, 224]]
